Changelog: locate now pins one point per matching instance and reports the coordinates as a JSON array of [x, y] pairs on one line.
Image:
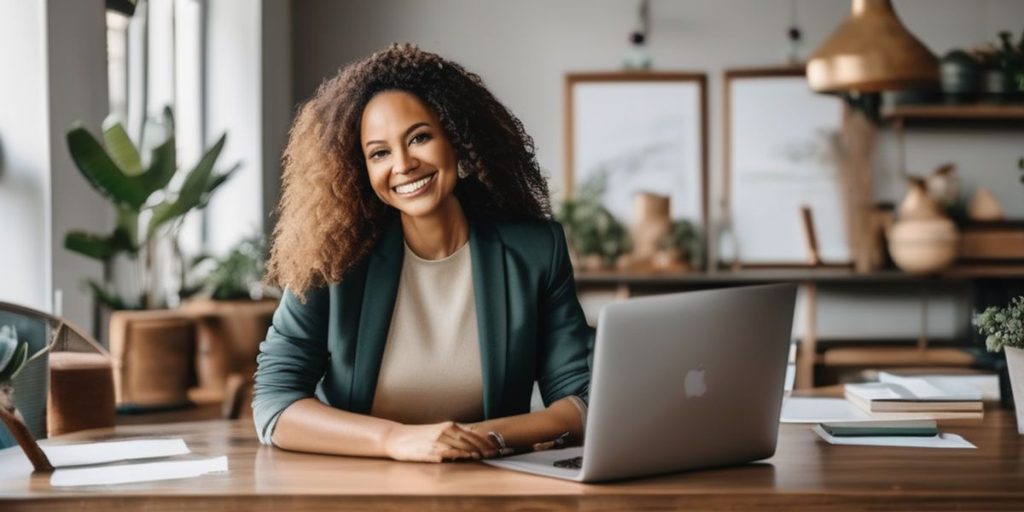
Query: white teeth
[[409, 188]]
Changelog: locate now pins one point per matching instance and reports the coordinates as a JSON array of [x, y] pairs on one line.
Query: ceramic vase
[[1015, 366], [650, 226], [923, 240]]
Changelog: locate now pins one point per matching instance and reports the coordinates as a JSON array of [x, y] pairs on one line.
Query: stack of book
[[916, 398]]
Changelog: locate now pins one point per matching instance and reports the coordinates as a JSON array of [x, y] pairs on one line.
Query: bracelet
[[503, 448]]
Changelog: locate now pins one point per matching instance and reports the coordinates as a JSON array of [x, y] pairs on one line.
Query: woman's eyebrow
[[404, 135]]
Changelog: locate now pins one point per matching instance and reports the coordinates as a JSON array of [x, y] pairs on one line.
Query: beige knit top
[[431, 369]]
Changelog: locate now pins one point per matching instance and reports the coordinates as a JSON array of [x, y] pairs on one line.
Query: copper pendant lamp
[[871, 51]]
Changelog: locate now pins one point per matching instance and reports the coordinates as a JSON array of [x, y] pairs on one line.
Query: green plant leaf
[[168, 113], [197, 181], [196, 185], [105, 297], [215, 182], [97, 246], [125, 7], [8, 372], [100, 170], [162, 167], [200, 259], [162, 213], [122, 151], [8, 346], [128, 224]]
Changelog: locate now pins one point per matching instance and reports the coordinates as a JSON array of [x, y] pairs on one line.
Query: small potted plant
[[597, 239], [13, 357], [1003, 329]]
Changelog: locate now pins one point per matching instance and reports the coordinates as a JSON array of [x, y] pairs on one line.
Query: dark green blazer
[[530, 324]]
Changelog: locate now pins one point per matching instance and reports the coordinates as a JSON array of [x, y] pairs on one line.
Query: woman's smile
[[415, 188]]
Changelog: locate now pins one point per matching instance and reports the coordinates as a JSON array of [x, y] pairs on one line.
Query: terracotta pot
[[1015, 366], [152, 356]]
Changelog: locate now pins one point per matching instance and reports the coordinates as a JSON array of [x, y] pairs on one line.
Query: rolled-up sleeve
[[567, 340], [292, 359]]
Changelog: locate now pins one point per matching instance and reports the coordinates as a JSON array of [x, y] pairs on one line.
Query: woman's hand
[[436, 443]]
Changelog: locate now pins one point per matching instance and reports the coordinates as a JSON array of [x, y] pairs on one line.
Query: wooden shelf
[[973, 112], [781, 275]]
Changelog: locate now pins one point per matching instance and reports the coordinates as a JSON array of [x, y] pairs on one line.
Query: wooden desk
[[805, 474]]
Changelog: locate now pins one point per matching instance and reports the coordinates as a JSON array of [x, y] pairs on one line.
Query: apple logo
[[694, 383]]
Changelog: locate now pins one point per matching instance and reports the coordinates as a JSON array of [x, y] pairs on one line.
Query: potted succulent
[[13, 357], [1003, 329]]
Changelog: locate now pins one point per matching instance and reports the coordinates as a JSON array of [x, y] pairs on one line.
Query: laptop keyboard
[[573, 463]]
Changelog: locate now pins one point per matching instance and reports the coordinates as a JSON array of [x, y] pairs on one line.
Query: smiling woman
[[412, 167], [426, 288]]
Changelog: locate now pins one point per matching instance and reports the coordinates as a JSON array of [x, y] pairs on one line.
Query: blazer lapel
[[488, 261], [384, 268]]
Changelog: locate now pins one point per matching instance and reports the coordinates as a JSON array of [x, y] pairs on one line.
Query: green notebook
[[923, 428]]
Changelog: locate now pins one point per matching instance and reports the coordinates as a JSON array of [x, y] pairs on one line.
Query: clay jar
[[923, 240]]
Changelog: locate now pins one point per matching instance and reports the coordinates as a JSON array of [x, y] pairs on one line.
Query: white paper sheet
[[833, 410], [81, 454], [943, 440], [130, 473]]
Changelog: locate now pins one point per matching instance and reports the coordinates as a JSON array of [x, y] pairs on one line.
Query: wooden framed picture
[[781, 171], [643, 132]]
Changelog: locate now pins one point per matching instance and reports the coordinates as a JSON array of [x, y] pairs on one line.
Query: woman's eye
[[376, 155], [421, 138]]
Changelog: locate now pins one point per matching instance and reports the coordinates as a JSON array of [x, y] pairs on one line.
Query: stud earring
[[461, 171]]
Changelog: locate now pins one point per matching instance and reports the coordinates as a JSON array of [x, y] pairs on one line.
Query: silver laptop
[[681, 381]]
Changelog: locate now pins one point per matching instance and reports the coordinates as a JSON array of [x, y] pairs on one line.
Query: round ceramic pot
[[1015, 366], [923, 246], [961, 76]]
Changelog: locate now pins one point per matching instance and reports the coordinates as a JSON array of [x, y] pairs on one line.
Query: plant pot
[[1015, 367], [152, 357]]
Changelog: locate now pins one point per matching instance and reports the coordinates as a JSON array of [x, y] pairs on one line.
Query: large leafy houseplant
[[147, 205]]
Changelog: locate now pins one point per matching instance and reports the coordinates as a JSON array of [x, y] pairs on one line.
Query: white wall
[[77, 48], [24, 157], [523, 49], [55, 54]]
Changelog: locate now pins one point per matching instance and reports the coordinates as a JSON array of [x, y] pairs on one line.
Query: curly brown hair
[[330, 218]]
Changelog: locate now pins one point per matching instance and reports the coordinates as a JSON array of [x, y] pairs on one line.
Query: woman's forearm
[[310, 426], [525, 430]]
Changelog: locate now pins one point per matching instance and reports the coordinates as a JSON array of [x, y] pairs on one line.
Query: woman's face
[[412, 165]]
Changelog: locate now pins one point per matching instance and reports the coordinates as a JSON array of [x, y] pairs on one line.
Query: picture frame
[[782, 196], [647, 131]]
